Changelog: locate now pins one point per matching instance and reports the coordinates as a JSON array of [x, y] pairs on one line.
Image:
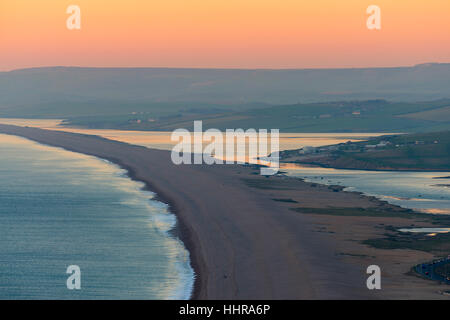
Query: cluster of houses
[[381, 144], [342, 146], [348, 146], [137, 120], [311, 150]]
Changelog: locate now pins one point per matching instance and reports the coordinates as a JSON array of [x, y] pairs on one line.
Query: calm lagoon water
[[59, 208], [422, 191], [162, 139]]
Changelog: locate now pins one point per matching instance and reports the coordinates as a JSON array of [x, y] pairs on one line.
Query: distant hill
[[73, 91], [309, 100], [344, 116]]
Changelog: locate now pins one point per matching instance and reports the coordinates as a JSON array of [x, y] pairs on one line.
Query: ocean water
[[423, 191], [59, 208]]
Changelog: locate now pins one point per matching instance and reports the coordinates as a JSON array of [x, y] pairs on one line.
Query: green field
[[416, 151], [350, 116], [420, 151]]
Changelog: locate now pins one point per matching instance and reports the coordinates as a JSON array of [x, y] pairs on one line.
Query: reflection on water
[[39, 123], [162, 140], [60, 208], [426, 230], [414, 190]]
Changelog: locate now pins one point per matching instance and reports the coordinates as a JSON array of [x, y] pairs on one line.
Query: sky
[[223, 33]]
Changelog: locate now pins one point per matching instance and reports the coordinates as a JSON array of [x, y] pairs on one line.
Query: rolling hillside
[[423, 152], [290, 100], [350, 116]]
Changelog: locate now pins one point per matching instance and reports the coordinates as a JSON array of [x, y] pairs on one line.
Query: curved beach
[[242, 243]]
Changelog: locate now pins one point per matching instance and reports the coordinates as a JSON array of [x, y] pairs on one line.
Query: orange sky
[[223, 33]]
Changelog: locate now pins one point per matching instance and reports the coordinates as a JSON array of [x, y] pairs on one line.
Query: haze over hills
[[163, 99], [421, 82]]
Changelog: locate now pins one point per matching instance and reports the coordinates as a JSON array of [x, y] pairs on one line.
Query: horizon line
[[223, 68]]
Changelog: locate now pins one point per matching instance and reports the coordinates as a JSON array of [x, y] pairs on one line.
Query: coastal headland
[[255, 237]]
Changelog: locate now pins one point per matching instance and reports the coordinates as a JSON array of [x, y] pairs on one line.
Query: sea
[[60, 209]]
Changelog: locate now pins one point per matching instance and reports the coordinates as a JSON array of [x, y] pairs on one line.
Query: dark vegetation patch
[[436, 219], [414, 241], [355, 255], [286, 200], [362, 212]]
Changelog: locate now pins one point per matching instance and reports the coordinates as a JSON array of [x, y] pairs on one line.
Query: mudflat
[[244, 238]]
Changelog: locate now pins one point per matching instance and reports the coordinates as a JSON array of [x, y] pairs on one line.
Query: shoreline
[[380, 197], [180, 230], [174, 231], [230, 252], [324, 166]]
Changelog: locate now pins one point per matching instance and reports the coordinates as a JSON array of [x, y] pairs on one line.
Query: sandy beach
[[246, 244]]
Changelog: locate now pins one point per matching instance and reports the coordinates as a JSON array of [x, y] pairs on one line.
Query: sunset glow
[[223, 33]]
